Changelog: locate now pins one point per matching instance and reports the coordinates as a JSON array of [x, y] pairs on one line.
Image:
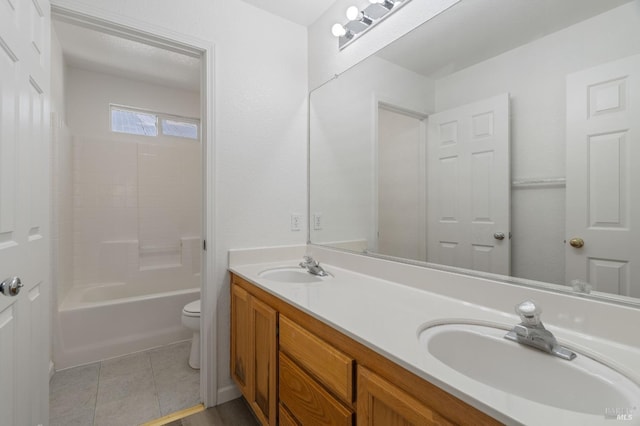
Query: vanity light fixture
[[361, 21], [353, 13]]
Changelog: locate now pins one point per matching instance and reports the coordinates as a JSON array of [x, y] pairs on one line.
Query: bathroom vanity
[[382, 343], [431, 242], [292, 367]]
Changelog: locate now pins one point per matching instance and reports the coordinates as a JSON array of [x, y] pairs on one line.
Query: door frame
[[399, 107], [122, 26]]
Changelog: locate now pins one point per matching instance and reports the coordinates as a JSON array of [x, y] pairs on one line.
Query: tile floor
[[125, 391], [232, 413]]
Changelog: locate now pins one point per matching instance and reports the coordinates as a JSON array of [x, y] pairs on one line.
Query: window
[[145, 123], [181, 129], [134, 122]]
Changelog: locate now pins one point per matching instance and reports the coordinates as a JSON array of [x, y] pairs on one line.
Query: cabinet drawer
[[286, 419], [330, 366], [307, 401]]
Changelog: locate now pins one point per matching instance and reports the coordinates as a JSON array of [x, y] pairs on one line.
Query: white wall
[[343, 130], [57, 78], [61, 191], [535, 76], [61, 180], [260, 130], [89, 94], [325, 60]]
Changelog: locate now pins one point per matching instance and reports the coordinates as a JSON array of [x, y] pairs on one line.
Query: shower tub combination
[[106, 320]]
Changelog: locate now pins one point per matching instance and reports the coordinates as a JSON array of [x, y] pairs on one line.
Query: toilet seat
[[192, 309]]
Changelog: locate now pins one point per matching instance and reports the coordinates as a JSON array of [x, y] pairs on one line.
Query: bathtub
[[109, 320]]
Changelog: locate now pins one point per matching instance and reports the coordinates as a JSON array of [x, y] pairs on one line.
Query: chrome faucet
[[531, 332], [313, 266]]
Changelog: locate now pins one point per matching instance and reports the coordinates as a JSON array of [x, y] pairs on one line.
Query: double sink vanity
[[355, 347]]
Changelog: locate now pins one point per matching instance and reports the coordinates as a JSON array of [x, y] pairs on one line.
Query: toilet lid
[[193, 307]]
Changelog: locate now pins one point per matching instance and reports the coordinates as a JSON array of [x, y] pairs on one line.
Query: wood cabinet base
[[386, 394]]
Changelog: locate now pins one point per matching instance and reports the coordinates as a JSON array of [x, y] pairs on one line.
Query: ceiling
[[109, 54], [469, 32], [472, 31], [97, 51], [303, 12]]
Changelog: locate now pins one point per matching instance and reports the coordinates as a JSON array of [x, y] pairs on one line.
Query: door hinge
[[204, 245]]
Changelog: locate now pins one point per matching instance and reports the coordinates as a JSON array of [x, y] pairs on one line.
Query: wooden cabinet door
[[382, 404], [253, 353], [263, 396], [240, 339]]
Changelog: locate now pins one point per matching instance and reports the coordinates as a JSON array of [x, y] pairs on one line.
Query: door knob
[[11, 286], [499, 236], [576, 242]]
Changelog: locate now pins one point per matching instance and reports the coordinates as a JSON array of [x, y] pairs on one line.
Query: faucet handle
[[521, 331], [529, 312], [310, 261]]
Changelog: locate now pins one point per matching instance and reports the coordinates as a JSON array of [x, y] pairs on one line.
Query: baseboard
[[228, 393]]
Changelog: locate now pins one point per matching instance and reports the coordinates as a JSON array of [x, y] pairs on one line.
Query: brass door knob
[[576, 242]]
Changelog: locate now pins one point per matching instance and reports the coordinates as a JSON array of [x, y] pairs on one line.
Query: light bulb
[[353, 13], [338, 30]]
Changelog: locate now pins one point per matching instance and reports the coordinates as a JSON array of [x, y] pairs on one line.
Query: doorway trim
[[400, 107], [132, 29]]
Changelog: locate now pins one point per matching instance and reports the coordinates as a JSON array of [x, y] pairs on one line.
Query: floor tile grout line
[[95, 404], [155, 385]]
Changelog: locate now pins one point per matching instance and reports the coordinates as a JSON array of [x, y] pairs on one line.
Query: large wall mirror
[[500, 137]]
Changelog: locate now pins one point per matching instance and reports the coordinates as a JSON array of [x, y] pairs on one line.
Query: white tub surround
[[383, 305], [106, 321]]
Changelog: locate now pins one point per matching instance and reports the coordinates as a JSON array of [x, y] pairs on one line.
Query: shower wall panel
[[136, 199]]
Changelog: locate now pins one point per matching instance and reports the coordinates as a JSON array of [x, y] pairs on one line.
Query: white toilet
[[191, 320]]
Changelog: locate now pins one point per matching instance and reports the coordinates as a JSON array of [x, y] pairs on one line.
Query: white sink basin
[[290, 275], [481, 353]]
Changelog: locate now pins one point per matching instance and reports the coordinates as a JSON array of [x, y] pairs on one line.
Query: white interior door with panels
[[468, 186], [24, 211], [603, 148]]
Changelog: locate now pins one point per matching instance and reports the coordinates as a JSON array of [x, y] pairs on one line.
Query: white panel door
[[603, 150], [24, 211], [468, 186], [401, 185]]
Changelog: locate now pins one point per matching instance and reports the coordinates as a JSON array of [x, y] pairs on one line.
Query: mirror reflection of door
[[468, 186], [603, 141], [401, 184]]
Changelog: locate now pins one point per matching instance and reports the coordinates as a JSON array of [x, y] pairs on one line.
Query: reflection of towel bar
[[559, 182]]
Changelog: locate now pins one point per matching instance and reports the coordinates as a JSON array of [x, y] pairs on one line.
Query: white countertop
[[387, 317]]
